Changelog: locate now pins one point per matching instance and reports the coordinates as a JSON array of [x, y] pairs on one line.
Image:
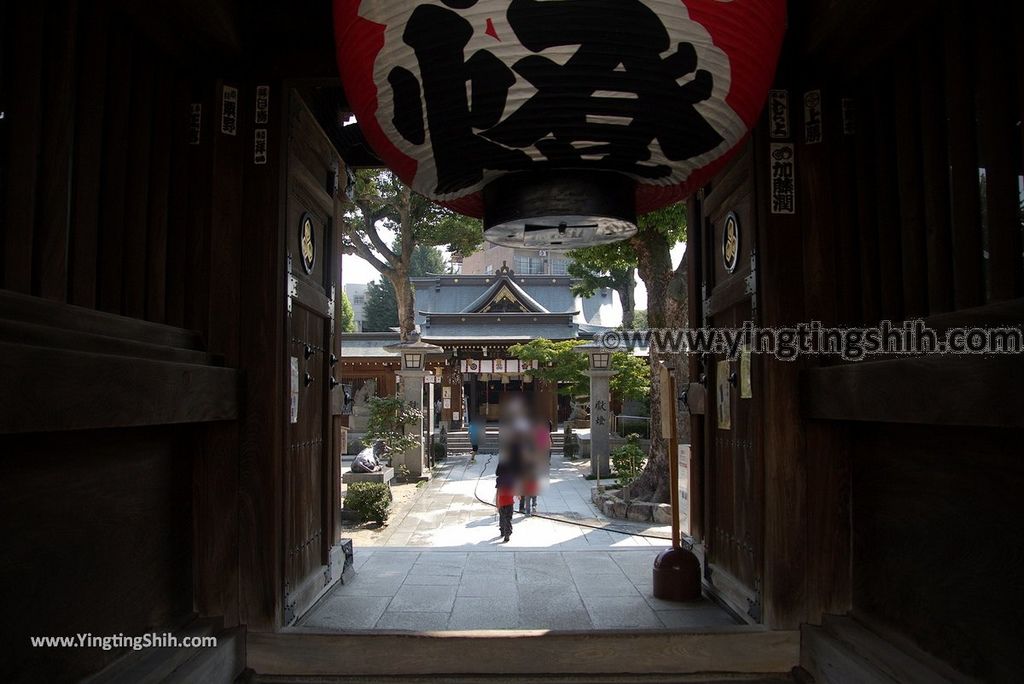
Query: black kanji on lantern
[[439, 37], [602, 108]]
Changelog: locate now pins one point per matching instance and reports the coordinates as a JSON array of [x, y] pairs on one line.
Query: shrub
[[371, 500], [389, 417], [628, 460], [440, 453]]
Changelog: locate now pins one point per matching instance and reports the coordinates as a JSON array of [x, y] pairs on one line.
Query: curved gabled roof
[[505, 289]]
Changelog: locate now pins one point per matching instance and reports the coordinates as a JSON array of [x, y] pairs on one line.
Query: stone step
[[740, 653]]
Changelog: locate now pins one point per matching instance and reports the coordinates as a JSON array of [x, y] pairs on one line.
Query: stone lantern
[[599, 362], [412, 378]]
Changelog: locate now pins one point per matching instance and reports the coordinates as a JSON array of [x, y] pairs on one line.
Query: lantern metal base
[[559, 209], [677, 575]]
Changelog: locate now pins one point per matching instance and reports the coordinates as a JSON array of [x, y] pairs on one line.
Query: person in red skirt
[[505, 495]]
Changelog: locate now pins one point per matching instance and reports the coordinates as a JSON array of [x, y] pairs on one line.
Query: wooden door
[[310, 467], [734, 467]]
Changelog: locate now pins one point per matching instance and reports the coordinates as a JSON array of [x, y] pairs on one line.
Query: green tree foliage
[[650, 252], [628, 461], [640, 319], [426, 261], [612, 266], [388, 418], [382, 205], [558, 362], [346, 318], [380, 311], [658, 232], [381, 308], [632, 379]]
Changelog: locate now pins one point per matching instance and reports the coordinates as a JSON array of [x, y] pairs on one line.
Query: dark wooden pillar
[[780, 303], [262, 355]]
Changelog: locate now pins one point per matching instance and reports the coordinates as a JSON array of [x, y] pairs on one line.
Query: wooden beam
[[827, 541], [115, 165], [50, 250], [262, 353], [87, 175], [935, 176], [965, 203], [780, 270], [829, 39], [886, 202], [870, 292], [17, 307], [933, 390], [178, 200], [26, 52], [139, 138], [906, 123], [37, 335], [729, 649], [217, 474], [83, 390], [159, 192]]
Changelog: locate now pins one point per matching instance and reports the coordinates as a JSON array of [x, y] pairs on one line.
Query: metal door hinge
[[754, 605], [751, 284], [330, 307], [750, 281], [705, 303], [293, 285]]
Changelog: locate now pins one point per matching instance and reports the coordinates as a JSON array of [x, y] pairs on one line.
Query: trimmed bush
[[628, 460], [370, 500], [440, 451]]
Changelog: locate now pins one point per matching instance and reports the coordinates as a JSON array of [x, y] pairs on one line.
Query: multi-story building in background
[[356, 293], [491, 257]]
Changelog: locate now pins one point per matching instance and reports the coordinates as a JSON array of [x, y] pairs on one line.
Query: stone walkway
[[439, 565], [446, 513], [436, 590]]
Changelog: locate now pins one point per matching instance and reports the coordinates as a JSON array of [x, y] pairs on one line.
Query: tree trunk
[[405, 297], [405, 294], [666, 308], [627, 298]]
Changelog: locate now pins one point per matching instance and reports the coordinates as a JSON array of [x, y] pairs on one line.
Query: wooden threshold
[[734, 650]]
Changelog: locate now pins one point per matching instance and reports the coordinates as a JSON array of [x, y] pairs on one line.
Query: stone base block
[[384, 476], [641, 511], [663, 514]]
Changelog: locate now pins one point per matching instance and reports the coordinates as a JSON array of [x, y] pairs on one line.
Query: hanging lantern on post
[[557, 122]]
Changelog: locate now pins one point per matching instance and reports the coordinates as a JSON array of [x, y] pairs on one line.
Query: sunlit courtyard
[[440, 563]]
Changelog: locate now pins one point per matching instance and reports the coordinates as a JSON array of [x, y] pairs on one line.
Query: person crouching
[[505, 486]]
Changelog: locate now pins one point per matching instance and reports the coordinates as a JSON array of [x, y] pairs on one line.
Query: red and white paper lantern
[[459, 95]]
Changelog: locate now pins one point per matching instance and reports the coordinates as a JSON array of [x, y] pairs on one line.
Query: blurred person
[[542, 438], [476, 431], [517, 443], [539, 463], [505, 494]]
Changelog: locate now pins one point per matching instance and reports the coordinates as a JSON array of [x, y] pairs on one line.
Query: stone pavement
[[447, 513], [439, 565], [436, 590]]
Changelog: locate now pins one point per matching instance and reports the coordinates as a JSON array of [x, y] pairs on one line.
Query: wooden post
[[668, 422], [676, 575]]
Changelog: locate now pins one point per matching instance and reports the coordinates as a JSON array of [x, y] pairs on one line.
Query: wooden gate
[[734, 492], [310, 470]]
